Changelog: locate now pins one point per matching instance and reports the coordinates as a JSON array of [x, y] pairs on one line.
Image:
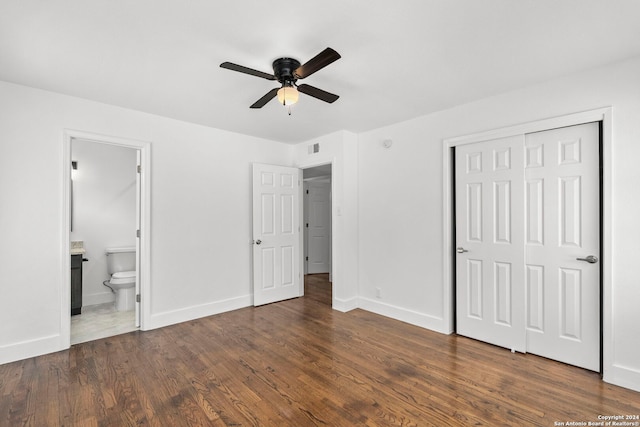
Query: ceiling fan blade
[[318, 93], [268, 97], [316, 63], [246, 70]]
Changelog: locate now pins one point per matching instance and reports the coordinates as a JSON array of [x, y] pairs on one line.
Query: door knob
[[590, 259], [258, 242], [461, 250]]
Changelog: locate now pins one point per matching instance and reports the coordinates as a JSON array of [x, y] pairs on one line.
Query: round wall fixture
[[387, 143]]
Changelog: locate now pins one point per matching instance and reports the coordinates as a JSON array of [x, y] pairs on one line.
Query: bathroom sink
[[77, 248]]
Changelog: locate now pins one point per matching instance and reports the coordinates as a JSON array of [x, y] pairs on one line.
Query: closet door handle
[[590, 259], [461, 250]]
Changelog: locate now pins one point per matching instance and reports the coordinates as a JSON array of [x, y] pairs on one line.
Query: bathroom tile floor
[[100, 321]]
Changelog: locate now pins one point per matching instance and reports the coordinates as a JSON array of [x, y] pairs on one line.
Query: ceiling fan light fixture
[[288, 95]]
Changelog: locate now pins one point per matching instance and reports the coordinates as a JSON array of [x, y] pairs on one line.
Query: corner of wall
[[622, 376], [345, 305]]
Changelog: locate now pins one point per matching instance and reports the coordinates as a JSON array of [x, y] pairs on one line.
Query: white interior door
[[490, 244], [276, 234], [138, 246], [318, 226], [562, 226]]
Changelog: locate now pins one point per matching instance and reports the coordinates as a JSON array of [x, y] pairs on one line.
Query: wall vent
[[314, 148]]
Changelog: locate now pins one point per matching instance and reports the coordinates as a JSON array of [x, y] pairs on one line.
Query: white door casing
[[138, 225], [562, 214], [305, 229], [490, 260], [276, 233], [318, 226]]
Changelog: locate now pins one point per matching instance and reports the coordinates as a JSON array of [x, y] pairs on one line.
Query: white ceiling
[[400, 59]]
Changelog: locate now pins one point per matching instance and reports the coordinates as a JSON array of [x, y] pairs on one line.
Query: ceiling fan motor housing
[[283, 69]]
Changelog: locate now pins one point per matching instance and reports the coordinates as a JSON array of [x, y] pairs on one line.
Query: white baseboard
[[433, 323], [344, 305], [622, 376], [160, 320], [30, 348], [101, 298]]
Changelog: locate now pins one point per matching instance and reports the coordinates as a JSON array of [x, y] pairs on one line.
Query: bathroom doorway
[[105, 216]]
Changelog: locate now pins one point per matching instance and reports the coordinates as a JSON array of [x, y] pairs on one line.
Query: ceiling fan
[[287, 71]]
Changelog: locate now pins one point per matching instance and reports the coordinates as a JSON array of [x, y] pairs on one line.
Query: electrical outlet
[[378, 293]]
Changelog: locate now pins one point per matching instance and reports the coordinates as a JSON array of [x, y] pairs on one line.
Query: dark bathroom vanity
[[76, 284]]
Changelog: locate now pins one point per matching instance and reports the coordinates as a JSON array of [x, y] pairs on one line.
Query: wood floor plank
[[299, 363]]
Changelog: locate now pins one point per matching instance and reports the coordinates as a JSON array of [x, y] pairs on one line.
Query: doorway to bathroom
[[105, 225]]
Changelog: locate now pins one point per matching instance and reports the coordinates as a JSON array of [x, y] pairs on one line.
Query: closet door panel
[[490, 242], [563, 224]]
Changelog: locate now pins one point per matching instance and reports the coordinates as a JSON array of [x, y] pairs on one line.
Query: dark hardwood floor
[[299, 363]]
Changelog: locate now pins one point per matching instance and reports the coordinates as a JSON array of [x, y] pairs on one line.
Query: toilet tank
[[121, 259]]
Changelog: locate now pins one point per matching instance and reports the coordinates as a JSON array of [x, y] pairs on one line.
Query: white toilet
[[121, 264]]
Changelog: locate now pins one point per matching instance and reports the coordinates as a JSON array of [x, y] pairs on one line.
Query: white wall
[[104, 210], [401, 192], [200, 213]]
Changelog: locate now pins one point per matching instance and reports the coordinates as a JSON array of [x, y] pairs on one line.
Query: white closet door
[[489, 222], [562, 224]]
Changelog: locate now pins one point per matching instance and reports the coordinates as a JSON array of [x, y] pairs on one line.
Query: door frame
[[144, 148], [332, 192], [603, 115]]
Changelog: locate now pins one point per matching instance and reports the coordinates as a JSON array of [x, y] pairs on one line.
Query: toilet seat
[[123, 277]]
